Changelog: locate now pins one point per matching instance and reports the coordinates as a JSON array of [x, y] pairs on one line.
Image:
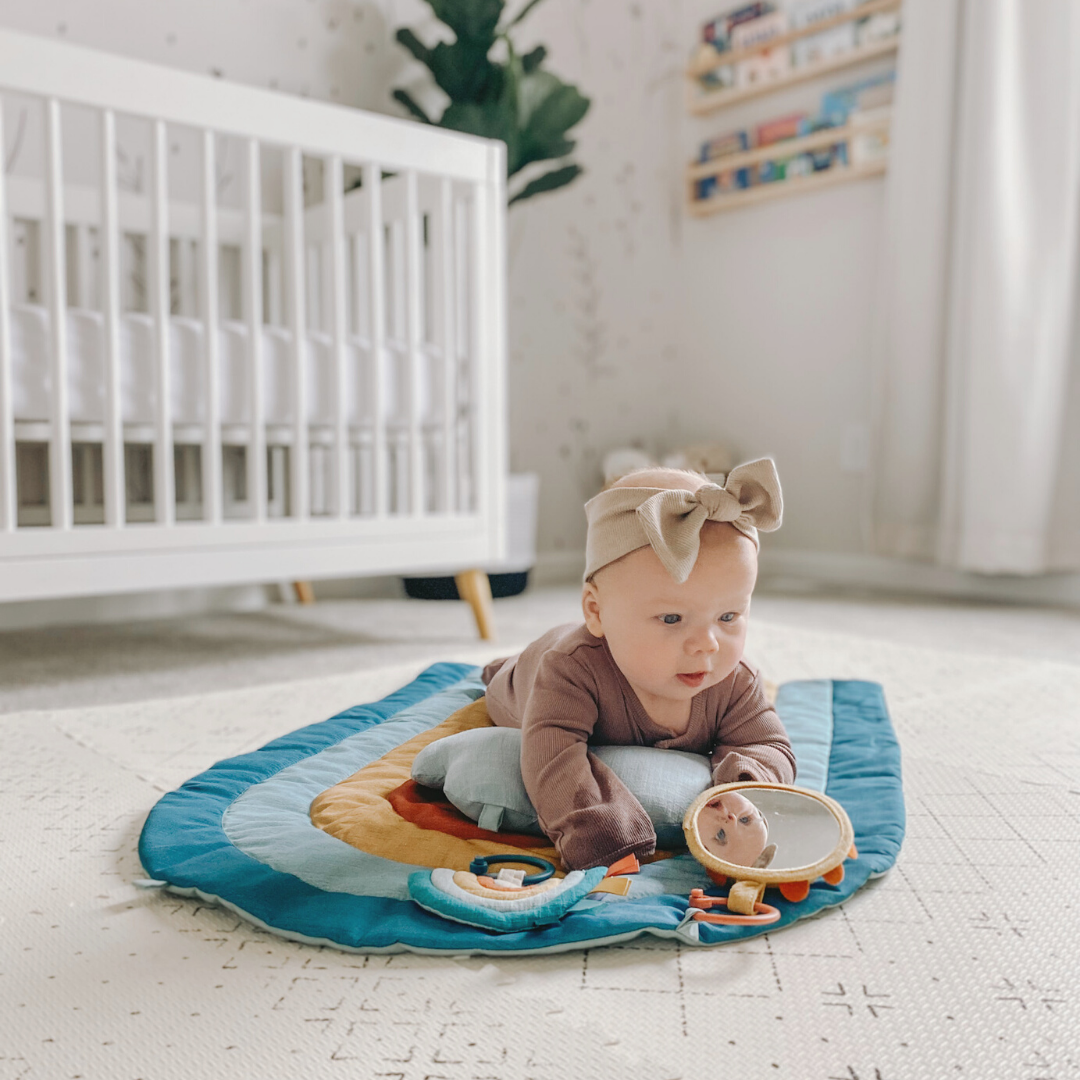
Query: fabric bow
[[669, 520]]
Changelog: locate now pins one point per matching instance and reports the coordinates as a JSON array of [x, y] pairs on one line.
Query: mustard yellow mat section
[[357, 810]]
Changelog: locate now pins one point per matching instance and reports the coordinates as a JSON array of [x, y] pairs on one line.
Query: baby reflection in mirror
[[732, 828]]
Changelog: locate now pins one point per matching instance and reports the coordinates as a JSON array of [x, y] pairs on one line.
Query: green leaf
[[464, 72], [532, 60], [489, 122], [411, 42], [473, 21], [549, 181], [548, 108], [515, 101], [409, 102]]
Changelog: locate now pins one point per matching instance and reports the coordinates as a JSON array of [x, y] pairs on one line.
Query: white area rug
[[962, 962]]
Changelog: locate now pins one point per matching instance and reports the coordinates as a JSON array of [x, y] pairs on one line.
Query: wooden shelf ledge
[[733, 56], [735, 200], [710, 100], [786, 148]]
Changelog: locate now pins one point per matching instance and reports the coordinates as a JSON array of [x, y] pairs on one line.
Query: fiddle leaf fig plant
[[509, 96]]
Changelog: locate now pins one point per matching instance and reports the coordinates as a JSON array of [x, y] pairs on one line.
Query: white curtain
[[977, 409]]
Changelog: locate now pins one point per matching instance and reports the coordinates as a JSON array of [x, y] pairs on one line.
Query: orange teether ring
[[763, 913]]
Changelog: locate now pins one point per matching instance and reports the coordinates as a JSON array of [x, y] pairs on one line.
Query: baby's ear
[[590, 608], [766, 857]]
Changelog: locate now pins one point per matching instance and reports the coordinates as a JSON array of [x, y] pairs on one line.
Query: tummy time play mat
[[322, 836]]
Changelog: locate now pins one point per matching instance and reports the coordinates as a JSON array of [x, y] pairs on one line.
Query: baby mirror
[[766, 835]]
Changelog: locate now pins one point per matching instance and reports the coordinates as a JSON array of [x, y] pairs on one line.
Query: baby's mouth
[[693, 678]]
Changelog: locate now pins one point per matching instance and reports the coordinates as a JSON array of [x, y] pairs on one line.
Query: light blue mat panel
[[239, 834], [806, 707]]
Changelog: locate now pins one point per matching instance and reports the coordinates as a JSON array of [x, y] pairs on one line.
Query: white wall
[[629, 321], [632, 321], [775, 310], [594, 269]]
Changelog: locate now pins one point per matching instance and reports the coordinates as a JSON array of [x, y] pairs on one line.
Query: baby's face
[[731, 828], [672, 641]]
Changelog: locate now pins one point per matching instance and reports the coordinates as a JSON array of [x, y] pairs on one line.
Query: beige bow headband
[[623, 519]]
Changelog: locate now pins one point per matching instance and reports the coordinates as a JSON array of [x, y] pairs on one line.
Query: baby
[[671, 562]]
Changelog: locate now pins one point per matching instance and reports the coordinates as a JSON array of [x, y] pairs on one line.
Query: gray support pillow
[[479, 771]]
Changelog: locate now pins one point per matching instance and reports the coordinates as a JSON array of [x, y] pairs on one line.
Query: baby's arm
[[751, 742], [591, 817]]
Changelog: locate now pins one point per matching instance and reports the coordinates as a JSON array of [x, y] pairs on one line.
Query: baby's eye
[[728, 616], [670, 620], [745, 820]]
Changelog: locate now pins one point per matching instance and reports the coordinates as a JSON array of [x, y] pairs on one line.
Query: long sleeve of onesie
[[752, 743], [591, 817]]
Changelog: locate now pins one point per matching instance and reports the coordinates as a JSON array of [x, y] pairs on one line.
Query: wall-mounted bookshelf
[[736, 200], [705, 100], [788, 148], [709, 101]]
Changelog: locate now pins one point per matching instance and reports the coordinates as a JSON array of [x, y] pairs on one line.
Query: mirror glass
[[768, 828]]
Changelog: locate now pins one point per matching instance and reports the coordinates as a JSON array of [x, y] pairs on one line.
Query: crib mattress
[[31, 382], [240, 834]]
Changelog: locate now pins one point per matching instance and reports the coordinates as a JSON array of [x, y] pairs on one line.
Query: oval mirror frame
[[768, 876]]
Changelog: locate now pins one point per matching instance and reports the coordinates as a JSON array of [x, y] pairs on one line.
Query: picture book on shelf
[[717, 31], [834, 41], [733, 142], [870, 93], [768, 64], [754, 25], [865, 104]]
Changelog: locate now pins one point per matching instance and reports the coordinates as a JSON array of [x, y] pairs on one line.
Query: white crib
[[243, 336]]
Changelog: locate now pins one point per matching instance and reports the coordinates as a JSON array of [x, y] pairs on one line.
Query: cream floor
[[962, 962]]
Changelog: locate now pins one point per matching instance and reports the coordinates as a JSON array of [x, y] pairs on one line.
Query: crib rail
[[292, 367]]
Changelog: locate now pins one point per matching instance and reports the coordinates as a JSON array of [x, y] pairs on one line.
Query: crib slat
[[361, 325], [252, 298], [444, 270], [414, 344], [8, 495], [486, 404], [377, 316], [157, 259], [464, 316], [60, 494], [338, 330], [208, 296], [113, 449], [293, 197], [489, 391]]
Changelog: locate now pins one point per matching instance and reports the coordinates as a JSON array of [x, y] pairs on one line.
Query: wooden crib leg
[[305, 594], [474, 587]]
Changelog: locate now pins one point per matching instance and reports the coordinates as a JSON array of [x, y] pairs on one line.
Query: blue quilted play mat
[[242, 835]]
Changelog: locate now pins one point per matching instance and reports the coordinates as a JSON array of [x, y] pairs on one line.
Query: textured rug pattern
[[960, 962]]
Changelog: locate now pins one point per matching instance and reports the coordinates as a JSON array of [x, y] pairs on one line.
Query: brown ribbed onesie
[[566, 693]]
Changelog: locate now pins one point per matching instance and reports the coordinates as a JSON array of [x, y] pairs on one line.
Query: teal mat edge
[[183, 844]]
